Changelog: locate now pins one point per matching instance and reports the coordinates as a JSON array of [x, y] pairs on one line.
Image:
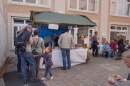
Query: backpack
[[21, 41]]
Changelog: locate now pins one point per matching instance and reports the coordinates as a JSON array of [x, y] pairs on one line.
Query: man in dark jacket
[[119, 79], [27, 56], [120, 47]]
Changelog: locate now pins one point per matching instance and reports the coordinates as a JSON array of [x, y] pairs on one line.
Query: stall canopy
[[46, 17]]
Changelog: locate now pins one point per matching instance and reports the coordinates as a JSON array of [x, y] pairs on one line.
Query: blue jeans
[[66, 52], [95, 49], [19, 64], [29, 57], [109, 53], [48, 70]]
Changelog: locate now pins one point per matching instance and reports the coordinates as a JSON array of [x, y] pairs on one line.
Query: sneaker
[[51, 77], [43, 79], [24, 81], [19, 73], [32, 80]]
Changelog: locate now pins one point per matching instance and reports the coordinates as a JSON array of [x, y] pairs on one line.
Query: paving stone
[[95, 73]]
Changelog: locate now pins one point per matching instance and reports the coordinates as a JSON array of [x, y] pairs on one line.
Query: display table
[[77, 56]]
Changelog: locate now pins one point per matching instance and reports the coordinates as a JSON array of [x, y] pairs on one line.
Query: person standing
[[56, 40], [120, 47], [38, 46], [95, 45], [19, 60], [27, 55], [65, 43]]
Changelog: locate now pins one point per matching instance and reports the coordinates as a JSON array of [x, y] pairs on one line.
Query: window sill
[[120, 16], [29, 4], [82, 11]]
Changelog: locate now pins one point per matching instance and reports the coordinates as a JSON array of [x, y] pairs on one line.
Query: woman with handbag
[[37, 48]]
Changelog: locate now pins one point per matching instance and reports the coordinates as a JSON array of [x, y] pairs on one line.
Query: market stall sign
[[53, 26]]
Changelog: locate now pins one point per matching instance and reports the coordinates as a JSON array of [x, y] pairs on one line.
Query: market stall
[[50, 22], [77, 56]]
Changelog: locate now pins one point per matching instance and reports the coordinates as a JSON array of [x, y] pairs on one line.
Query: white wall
[[3, 38], [104, 18], [1, 6], [60, 6]]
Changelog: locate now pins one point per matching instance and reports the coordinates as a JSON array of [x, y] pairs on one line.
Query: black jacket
[[21, 41]]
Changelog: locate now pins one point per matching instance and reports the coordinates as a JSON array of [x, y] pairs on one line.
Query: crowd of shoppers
[[34, 48]]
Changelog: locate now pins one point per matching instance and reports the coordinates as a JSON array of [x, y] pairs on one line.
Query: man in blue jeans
[[95, 45], [27, 56], [65, 43]]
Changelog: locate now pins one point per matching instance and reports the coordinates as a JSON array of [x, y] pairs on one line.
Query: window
[[85, 5], [33, 2], [120, 7], [73, 4], [92, 5], [116, 30], [18, 25]]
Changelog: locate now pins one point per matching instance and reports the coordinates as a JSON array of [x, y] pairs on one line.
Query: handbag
[[34, 51]]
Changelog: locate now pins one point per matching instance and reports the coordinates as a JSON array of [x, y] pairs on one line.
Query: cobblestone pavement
[[95, 73]]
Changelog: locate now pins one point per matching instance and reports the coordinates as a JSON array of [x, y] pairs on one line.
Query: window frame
[[17, 25], [95, 12], [115, 30], [31, 4], [116, 13]]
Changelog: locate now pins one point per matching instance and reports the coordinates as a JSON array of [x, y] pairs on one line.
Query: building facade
[[111, 16]]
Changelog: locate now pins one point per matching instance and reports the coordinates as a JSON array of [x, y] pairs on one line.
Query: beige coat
[[66, 40]]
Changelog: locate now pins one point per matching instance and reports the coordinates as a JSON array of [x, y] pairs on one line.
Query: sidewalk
[[95, 73]]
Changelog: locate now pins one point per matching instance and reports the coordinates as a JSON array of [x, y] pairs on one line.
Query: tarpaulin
[[44, 31]]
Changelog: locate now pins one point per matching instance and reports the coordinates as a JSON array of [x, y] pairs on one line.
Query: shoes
[[51, 77], [43, 79], [63, 68], [24, 81], [68, 68], [96, 56], [118, 59], [19, 73], [32, 80]]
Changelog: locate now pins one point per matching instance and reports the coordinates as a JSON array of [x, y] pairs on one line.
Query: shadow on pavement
[[14, 79]]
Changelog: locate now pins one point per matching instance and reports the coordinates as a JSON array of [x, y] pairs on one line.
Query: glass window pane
[[113, 8], [113, 27], [113, 35], [92, 5], [73, 4], [120, 8], [18, 21], [27, 21], [124, 28], [118, 28], [31, 1], [18, 0], [126, 9], [83, 4], [43, 2]]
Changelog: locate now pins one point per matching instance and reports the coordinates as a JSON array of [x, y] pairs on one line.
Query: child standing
[[47, 61]]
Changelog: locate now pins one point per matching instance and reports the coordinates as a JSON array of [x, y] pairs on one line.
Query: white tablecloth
[[100, 48], [77, 56]]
